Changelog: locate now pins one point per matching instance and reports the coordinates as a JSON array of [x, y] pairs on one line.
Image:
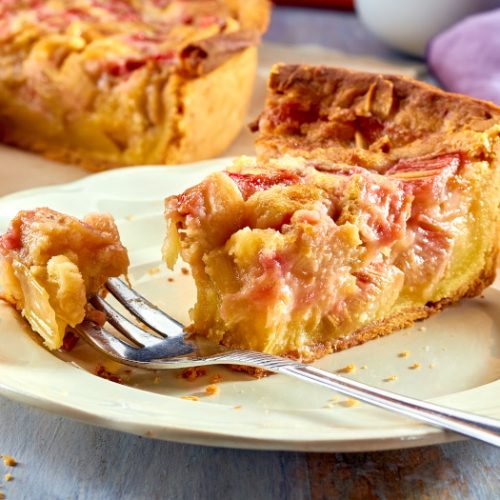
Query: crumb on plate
[[391, 378], [153, 270], [70, 340], [184, 270], [237, 407], [216, 378], [9, 461], [350, 368], [193, 373], [404, 354], [107, 375], [349, 402], [414, 366], [212, 390], [8, 477], [190, 398]]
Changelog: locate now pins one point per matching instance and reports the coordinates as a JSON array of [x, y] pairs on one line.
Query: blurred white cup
[[408, 25]]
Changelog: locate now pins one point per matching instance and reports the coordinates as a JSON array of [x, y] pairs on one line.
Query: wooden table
[[62, 459]]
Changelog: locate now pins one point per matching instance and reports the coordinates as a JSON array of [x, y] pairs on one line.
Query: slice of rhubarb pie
[[50, 263], [373, 204]]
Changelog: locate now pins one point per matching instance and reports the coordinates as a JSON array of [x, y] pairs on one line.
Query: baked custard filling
[[299, 257], [50, 263]]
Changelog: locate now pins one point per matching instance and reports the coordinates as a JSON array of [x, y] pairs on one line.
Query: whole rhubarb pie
[[373, 203], [123, 82], [50, 263]]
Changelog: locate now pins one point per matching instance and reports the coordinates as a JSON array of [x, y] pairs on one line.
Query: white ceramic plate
[[458, 351]]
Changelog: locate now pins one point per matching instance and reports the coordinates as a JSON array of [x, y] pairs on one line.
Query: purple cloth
[[466, 57]]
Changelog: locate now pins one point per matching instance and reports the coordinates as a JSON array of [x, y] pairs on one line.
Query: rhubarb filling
[[297, 256]]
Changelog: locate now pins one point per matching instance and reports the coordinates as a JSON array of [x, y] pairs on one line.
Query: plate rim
[[427, 435]]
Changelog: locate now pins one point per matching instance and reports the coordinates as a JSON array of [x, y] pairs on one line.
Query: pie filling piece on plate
[[50, 263], [372, 204]]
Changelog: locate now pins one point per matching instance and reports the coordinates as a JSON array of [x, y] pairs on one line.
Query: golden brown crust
[[214, 108], [365, 118]]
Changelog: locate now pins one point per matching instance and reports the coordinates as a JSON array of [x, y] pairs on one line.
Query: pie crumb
[[190, 398], [216, 378], [9, 461], [102, 372], [184, 270], [391, 378], [70, 340], [153, 270], [2, 495], [237, 407], [404, 354], [212, 390], [193, 373], [170, 280], [334, 399], [349, 402], [8, 476], [432, 365], [422, 328], [351, 368], [414, 366], [363, 367]]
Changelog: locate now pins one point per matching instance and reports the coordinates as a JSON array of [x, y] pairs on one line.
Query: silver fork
[[172, 348]]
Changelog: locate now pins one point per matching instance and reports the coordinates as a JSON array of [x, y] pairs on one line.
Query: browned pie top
[[368, 119]]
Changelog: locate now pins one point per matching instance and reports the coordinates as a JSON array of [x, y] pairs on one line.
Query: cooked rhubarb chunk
[[50, 263]]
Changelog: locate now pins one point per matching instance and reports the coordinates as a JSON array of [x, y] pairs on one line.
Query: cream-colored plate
[[458, 351]]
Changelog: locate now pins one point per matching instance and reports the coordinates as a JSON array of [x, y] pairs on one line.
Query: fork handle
[[474, 426]]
